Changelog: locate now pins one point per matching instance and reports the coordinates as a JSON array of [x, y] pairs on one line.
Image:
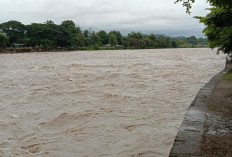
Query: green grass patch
[[201, 46], [227, 76], [212, 108]]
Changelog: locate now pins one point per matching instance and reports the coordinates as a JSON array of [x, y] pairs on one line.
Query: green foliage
[[185, 45], [95, 39], [69, 33], [68, 36], [81, 40], [221, 3], [164, 42], [218, 3], [135, 35], [174, 44], [113, 39], [86, 33], [46, 34], [96, 47], [218, 23], [192, 40], [148, 43], [212, 108], [20, 49], [219, 28], [119, 37], [187, 4], [103, 37], [202, 41], [152, 37], [3, 40], [14, 30]]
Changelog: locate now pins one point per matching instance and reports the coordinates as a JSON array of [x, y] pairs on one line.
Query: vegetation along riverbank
[[17, 37]]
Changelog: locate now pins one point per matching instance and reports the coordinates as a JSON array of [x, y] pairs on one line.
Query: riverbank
[[33, 49], [207, 126]]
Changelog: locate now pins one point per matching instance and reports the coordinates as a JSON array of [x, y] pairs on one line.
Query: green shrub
[[96, 47]]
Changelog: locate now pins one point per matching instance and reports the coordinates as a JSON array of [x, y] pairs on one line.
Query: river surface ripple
[[99, 103]]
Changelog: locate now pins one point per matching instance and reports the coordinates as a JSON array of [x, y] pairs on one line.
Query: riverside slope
[[206, 128]]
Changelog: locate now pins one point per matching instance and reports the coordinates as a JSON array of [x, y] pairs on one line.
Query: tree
[[103, 37], [164, 42], [95, 39], [135, 35], [219, 28], [218, 23], [3, 40], [174, 43], [113, 39], [46, 35], [148, 42], [141, 44], [152, 37], [69, 33], [202, 41], [15, 31], [133, 42], [192, 40], [81, 40], [219, 3], [118, 35], [37, 34]]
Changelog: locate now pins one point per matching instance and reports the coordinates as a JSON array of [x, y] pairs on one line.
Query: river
[[99, 103]]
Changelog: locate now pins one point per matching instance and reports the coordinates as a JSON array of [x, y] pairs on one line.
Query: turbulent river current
[[99, 103]]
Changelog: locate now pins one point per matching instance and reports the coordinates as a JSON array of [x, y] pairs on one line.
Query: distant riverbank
[[34, 49], [68, 36]]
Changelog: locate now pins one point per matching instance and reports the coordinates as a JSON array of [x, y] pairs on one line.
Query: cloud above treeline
[[147, 16]]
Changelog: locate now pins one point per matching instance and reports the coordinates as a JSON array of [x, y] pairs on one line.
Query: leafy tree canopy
[[103, 37], [3, 40], [113, 39], [218, 23], [118, 35], [49, 35], [219, 3], [15, 31]]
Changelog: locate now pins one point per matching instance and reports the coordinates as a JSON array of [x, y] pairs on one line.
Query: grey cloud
[[124, 15]]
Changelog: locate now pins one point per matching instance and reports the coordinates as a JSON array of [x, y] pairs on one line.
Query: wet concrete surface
[[190, 139]]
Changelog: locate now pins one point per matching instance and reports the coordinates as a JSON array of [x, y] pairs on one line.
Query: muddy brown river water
[[99, 103]]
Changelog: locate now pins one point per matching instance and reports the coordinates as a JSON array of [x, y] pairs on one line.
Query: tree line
[[68, 35]]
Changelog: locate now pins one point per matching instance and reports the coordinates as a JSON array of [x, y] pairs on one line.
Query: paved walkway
[[192, 139]]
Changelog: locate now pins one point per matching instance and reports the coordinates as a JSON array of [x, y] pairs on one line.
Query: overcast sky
[[147, 16]]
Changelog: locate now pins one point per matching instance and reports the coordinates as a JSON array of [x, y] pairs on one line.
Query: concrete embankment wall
[[190, 135]]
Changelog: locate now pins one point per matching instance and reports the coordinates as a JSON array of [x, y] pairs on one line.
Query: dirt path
[[217, 138]]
